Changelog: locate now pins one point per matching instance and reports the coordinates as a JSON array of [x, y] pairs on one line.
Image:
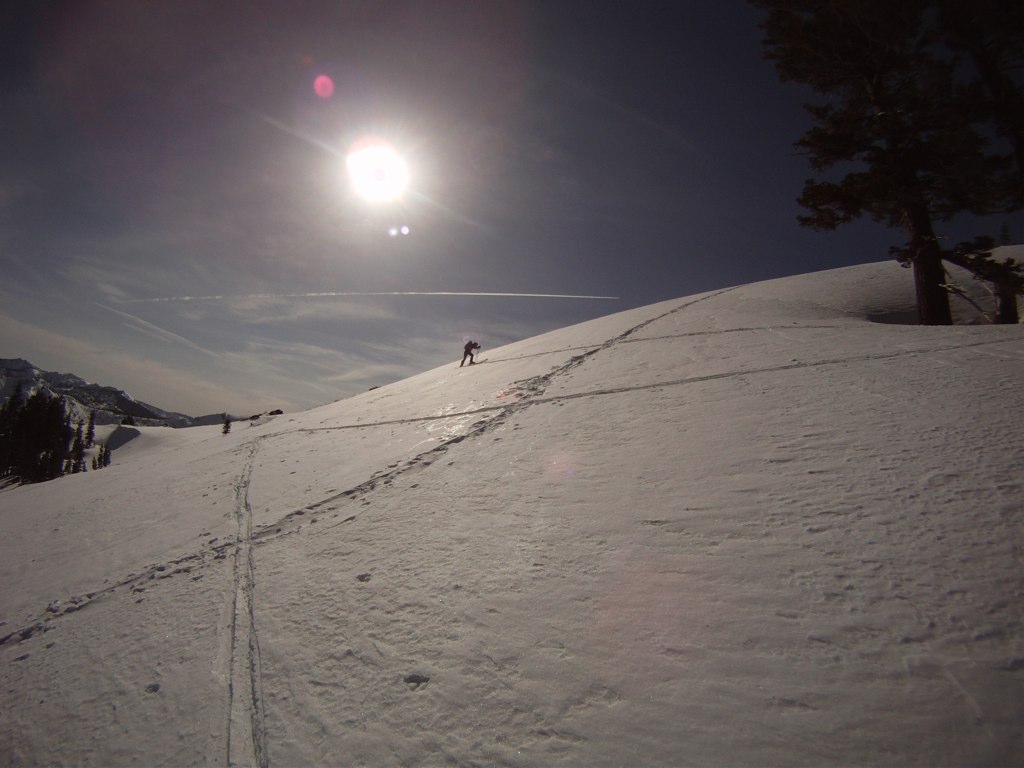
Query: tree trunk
[[929, 274], [932, 298], [1006, 309]]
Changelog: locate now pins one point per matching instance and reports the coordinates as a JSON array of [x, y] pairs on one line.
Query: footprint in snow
[[416, 680]]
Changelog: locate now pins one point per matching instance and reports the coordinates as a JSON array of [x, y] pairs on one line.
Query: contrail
[[335, 294], [146, 327]]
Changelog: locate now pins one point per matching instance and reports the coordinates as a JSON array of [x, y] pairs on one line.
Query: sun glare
[[378, 173]]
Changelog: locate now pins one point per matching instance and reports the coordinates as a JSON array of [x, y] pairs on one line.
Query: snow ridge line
[[246, 738]]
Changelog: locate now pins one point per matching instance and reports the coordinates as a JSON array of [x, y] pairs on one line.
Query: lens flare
[[323, 86]]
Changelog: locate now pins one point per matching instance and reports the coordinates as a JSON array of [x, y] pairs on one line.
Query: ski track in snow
[[246, 736], [246, 740]]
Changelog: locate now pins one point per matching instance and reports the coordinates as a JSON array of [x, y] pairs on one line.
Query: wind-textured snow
[[749, 527]]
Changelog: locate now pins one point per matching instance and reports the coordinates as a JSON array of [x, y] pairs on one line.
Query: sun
[[377, 171]]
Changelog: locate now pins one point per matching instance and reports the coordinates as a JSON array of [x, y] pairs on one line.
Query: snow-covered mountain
[[111, 405], [756, 526]]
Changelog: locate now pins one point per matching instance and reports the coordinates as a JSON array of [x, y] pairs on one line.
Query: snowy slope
[[747, 527]]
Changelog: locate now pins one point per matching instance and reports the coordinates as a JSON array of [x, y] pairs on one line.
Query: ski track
[[246, 738], [246, 729]]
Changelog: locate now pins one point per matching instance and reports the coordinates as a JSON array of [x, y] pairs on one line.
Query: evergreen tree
[[9, 414], [78, 451], [41, 438], [897, 116], [90, 430], [35, 435], [102, 458]]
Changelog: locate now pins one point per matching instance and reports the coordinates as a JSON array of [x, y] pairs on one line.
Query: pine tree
[[897, 117], [90, 430], [41, 436], [102, 458], [66, 433], [78, 451], [9, 414], [35, 436]]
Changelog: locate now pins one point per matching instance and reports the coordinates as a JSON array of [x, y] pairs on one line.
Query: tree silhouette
[[35, 435], [900, 134]]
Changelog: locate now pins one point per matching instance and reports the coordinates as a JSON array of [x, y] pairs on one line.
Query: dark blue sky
[[156, 150]]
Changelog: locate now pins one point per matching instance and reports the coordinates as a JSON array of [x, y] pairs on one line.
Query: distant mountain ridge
[[111, 405]]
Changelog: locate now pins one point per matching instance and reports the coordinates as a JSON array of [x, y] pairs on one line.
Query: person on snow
[[468, 352]]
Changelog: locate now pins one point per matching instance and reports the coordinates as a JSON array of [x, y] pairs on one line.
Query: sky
[[173, 187]]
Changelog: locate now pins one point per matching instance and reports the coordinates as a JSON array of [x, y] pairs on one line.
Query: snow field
[[742, 528]]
